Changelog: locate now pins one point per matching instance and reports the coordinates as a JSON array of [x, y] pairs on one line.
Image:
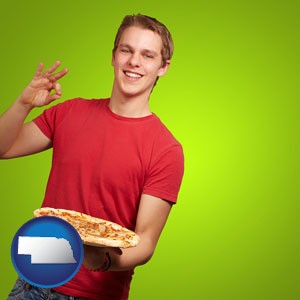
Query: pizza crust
[[93, 231]]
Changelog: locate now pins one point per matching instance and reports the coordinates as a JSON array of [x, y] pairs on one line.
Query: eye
[[148, 55], [125, 50]]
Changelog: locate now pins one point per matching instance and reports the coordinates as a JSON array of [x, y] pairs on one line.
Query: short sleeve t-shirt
[[102, 163]]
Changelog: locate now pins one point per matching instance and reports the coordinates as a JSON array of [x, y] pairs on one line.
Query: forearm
[[132, 257], [11, 123], [152, 216]]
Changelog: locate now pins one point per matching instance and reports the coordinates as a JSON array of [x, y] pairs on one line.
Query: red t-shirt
[[102, 164]]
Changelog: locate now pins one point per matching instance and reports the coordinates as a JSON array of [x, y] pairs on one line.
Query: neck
[[128, 106]]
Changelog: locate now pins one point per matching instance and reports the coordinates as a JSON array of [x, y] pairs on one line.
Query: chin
[[132, 92]]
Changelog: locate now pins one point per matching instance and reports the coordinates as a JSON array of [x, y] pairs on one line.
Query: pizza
[[93, 231]]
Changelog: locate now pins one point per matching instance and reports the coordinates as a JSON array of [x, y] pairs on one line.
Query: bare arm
[[152, 216], [17, 138]]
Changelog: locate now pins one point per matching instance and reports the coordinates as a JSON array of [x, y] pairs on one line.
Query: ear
[[113, 59], [163, 69]]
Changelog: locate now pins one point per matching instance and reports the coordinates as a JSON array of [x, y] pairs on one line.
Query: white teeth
[[133, 75]]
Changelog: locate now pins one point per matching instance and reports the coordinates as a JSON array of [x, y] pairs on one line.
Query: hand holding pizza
[[95, 257]]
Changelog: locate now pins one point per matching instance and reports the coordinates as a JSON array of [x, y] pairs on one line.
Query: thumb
[[117, 250], [57, 88]]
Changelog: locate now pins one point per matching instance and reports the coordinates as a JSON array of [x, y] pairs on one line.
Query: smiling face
[[137, 62]]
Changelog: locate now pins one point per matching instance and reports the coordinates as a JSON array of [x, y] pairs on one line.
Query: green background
[[231, 97]]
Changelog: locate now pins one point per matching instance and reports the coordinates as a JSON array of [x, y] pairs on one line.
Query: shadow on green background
[[230, 97]]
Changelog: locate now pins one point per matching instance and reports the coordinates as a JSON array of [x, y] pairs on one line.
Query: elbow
[[146, 258], [4, 155], [147, 252], [4, 152]]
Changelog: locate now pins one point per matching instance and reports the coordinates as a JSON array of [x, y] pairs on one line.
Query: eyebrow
[[143, 50]]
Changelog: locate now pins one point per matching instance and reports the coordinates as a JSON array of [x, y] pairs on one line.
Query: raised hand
[[44, 88]]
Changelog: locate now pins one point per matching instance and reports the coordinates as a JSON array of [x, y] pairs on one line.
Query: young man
[[112, 158]]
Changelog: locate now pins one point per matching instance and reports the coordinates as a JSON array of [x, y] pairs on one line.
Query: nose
[[134, 60]]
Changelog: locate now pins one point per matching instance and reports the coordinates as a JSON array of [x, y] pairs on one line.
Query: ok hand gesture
[[38, 92]]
